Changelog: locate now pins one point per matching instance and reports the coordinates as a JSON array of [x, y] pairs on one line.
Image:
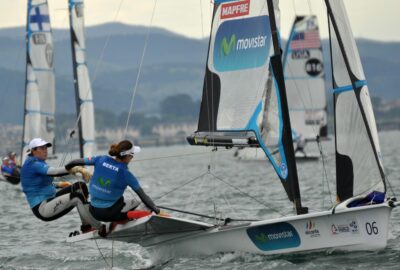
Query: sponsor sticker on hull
[[311, 229], [274, 236], [242, 44], [235, 9], [348, 227]]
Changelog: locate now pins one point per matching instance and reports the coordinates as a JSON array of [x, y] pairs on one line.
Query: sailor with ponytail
[[110, 178]]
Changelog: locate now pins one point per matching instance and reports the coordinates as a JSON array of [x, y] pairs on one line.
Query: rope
[[324, 172], [140, 68]]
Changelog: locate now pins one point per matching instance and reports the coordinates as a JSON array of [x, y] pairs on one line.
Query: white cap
[[37, 142], [134, 150]]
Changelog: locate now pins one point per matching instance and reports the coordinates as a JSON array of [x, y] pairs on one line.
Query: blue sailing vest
[[109, 181], [36, 184]]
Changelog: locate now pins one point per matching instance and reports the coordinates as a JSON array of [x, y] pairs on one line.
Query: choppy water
[[28, 243]]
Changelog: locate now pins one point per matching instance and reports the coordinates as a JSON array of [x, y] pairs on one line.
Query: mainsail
[[239, 90], [40, 81], [83, 90], [359, 168], [305, 79]]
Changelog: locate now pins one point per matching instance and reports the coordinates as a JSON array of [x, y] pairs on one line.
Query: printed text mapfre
[[235, 9]]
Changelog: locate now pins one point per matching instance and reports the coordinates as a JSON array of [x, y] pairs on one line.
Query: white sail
[[305, 79], [40, 82], [239, 89], [83, 88], [358, 157]]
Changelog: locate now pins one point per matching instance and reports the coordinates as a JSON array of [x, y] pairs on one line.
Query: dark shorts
[[112, 213]]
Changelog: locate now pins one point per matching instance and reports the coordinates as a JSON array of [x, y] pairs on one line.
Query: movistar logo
[[103, 183], [261, 238], [241, 44], [227, 47]]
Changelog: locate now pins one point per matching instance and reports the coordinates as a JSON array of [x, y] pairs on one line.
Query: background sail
[[305, 79], [83, 88], [358, 157], [40, 82]]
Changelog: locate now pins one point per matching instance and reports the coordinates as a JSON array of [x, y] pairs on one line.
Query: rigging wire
[[140, 68], [214, 205], [181, 186], [248, 195], [173, 156]]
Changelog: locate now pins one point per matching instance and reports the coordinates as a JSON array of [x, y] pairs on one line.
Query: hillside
[[172, 64]]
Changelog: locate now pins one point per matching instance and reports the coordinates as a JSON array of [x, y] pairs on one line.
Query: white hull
[[359, 228], [362, 228]]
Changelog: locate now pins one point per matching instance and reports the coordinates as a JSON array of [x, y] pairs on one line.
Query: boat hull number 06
[[371, 228]]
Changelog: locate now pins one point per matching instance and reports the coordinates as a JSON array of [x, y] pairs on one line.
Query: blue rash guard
[[109, 181], [7, 169], [36, 184]]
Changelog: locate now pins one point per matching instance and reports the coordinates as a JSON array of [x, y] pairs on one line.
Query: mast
[[276, 63], [83, 91], [74, 41]]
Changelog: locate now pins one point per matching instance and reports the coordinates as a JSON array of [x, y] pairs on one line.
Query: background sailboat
[[39, 120], [305, 82], [83, 90]]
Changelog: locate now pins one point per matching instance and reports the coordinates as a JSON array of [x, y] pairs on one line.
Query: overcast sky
[[373, 19]]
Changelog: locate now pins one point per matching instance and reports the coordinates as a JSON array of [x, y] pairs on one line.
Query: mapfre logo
[[236, 9]]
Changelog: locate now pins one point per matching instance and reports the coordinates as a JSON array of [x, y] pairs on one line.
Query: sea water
[[199, 180]]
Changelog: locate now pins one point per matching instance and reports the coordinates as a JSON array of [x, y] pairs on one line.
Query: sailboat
[[39, 115], [39, 120], [303, 66], [244, 44]]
